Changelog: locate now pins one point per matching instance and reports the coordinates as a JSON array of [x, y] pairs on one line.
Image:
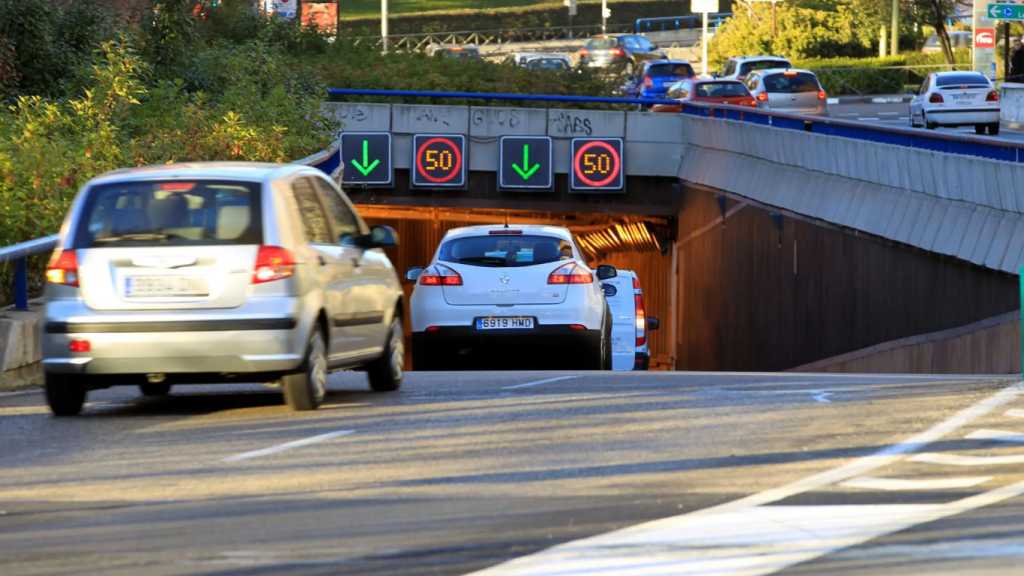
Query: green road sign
[[1006, 11], [367, 158], [525, 163]]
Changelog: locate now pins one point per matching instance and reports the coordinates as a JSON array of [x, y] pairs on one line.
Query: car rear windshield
[[601, 43], [748, 67], [462, 53], [790, 83], [673, 70], [961, 80], [547, 64], [721, 90], [171, 212], [505, 251]]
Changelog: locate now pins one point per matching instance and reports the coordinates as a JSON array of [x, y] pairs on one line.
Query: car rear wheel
[[305, 390], [979, 129], [993, 128], [928, 125], [151, 389], [386, 372], [65, 394]]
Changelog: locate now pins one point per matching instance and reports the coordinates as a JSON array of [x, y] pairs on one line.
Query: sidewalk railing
[[417, 42], [881, 80], [19, 254], [670, 23]]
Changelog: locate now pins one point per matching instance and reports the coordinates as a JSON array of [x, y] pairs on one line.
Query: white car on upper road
[[956, 99], [518, 293]]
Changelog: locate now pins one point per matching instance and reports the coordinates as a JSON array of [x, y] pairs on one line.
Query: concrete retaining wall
[[20, 353], [992, 346]]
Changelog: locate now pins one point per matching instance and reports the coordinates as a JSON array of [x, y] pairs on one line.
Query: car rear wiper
[[485, 260]]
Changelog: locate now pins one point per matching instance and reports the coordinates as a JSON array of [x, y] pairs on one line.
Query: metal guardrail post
[[21, 284]]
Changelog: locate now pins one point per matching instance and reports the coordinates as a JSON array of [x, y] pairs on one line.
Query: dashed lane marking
[[965, 460], [745, 537], [538, 383], [287, 446], [997, 435], [900, 484]]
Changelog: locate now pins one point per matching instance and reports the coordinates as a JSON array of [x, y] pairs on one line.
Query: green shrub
[[545, 15], [875, 75]]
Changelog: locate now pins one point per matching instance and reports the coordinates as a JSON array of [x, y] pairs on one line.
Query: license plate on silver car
[[507, 323], [157, 286]]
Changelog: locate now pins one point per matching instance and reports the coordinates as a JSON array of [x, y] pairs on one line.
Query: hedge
[[545, 15], [840, 76]]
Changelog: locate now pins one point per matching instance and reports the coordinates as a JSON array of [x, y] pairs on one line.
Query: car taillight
[[636, 284], [648, 83], [935, 99], [445, 276], [641, 320], [63, 268], [570, 274], [993, 96], [583, 52], [821, 95], [763, 96], [751, 103], [615, 52], [272, 263]]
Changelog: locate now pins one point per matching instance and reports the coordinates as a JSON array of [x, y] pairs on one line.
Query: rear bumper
[[642, 362], [954, 117], [185, 347], [558, 339]]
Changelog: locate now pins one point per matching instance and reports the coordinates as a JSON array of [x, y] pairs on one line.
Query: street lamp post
[[384, 23]]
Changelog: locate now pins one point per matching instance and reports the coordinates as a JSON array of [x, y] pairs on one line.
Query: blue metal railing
[[498, 96], [670, 23], [19, 254]]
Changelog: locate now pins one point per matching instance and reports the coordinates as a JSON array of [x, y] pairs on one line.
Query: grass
[[371, 8]]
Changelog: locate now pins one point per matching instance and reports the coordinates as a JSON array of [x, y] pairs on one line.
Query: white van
[[630, 323]]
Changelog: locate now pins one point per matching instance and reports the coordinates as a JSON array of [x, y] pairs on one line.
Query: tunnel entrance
[[642, 244]]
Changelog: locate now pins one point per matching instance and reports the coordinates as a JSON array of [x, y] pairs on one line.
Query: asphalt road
[[899, 115], [463, 472]]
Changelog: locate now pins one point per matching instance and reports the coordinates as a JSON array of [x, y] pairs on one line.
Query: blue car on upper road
[[654, 78]]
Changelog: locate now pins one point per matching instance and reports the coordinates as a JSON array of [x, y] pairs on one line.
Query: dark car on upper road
[[619, 52], [458, 52]]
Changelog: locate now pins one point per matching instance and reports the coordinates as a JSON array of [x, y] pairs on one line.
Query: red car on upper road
[[708, 90]]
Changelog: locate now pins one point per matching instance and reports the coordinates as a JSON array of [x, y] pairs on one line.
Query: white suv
[[518, 292], [218, 272], [738, 68], [630, 323]]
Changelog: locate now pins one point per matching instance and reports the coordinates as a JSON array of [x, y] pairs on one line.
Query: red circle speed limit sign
[[985, 38]]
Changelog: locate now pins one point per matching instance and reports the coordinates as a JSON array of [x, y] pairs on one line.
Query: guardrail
[[19, 254], [486, 97], [669, 23], [490, 37]]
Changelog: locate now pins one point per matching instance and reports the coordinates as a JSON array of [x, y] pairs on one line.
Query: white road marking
[[998, 435], [888, 113], [19, 393], [287, 446], [746, 538], [868, 119], [537, 383], [876, 483], [833, 100], [822, 397], [850, 114], [1015, 413], [965, 460], [904, 118]]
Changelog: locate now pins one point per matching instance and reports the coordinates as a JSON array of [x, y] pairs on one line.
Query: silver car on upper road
[[218, 272], [793, 91]]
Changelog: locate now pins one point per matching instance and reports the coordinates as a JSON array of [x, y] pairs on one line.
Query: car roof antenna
[[506, 218]]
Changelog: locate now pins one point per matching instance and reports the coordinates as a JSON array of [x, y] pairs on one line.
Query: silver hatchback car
[[218, 272], [792, 91]]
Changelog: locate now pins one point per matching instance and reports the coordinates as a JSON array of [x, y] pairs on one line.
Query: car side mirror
[[379, 237], [606, 272], [413, 274], [653, 324], [714, 74], [609, 290]]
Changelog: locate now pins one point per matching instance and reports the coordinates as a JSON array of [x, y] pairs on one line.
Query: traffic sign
[[439, 161], [703, 6], [1006, 11], [985, 38], [367, 158], [597, 164], [524, 163]]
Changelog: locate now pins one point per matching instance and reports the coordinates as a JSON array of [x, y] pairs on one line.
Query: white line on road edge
[[833, 100], [19, 393], [537, 383], [287, 446], [869, 119], [1015, 413], [998, 435], [888, 113], [876, 483], [965, 460], [745, 537]]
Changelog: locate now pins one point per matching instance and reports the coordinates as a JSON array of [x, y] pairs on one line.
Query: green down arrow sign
[[366, 167], [526, 171]]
